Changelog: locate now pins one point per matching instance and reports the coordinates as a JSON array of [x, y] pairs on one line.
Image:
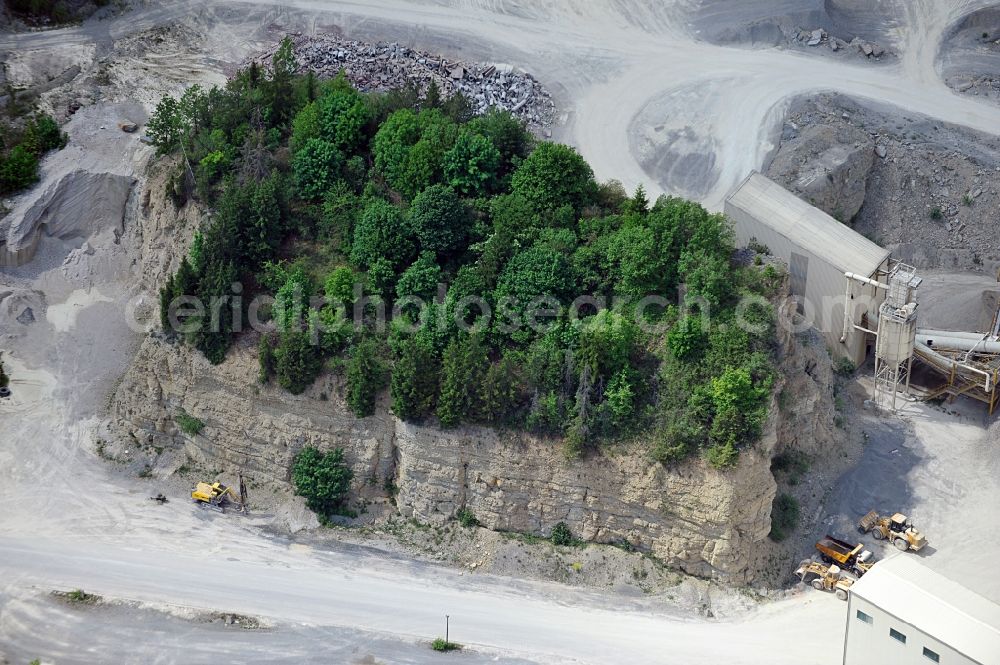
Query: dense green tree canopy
[[341, 203], [441, 221], [420, 279], [507, 134], [553, 176], [343, 115], [316, 167], [471, 165], [381, 233]]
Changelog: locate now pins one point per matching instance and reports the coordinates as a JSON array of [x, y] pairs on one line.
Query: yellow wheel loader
[[824, 578], [896, 529]]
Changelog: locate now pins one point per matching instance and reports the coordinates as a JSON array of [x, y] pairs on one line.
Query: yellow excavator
[[217, 496]]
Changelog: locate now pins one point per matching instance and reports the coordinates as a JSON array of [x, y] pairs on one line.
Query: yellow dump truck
[[854, 558], [896, 529]]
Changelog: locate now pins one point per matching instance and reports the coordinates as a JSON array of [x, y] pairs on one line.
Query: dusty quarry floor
[[651, 95]]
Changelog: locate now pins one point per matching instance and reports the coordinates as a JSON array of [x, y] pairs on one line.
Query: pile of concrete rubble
[[379, 66], [819, 36]]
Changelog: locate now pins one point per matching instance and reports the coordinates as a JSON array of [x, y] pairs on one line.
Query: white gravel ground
[[646, 103]]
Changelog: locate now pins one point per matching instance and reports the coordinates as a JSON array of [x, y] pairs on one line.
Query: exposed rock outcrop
[[931, 200], [692, 517], [695, 518], [165, 231], [827, 166]]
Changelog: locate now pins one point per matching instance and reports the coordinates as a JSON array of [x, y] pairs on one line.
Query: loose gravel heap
[[381, 66]]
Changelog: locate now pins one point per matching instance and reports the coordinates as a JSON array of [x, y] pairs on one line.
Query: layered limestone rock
[[700, 520]]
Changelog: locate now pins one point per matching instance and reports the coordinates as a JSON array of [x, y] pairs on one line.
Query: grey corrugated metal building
[[818, 250], [902, 612]]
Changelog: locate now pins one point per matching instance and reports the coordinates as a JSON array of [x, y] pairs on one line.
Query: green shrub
[[545, 415], [80, 597], [440, 644], [188, 423], [466, 518], [784, 517], [42, 134], [686, 339], [339, 286], [936, 213], [844, 367], [323, 479], [18, 170], [561, 534], [722, 455]]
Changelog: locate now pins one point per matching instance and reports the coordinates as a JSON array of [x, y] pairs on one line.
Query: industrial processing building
[[902, 612], [818, 250], [850, 289]]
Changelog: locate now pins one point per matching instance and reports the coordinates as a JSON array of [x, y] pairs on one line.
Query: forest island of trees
[[334, 200]]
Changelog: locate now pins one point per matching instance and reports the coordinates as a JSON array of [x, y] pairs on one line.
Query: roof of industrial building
[[807, 226], [932, 603]]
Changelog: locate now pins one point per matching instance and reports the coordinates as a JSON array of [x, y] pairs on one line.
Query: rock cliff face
[[692, 517], [700, 520]]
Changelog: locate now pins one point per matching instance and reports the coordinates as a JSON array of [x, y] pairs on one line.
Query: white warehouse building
[[818, 250], [903, 613]]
